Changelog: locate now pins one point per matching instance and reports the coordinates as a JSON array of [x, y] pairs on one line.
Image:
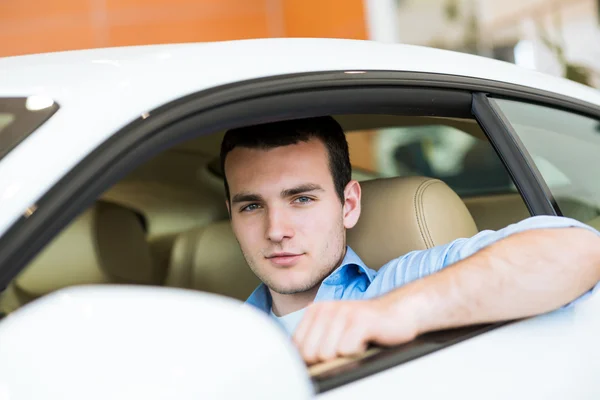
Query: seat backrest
[[105, 244], [404, 214], [209, 259]]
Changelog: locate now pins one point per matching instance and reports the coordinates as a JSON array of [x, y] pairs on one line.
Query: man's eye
[[303, 200], [250, 207]]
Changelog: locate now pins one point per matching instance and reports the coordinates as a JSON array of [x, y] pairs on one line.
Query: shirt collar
[[351, 264], [260, 298], [351, 259]]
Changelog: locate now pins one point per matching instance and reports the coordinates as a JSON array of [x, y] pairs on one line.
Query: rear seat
[[105, 244]]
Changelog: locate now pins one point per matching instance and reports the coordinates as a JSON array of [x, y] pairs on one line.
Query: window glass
[[467, 163], [19, 117], [452, 150], [5, 120], [565, 147]]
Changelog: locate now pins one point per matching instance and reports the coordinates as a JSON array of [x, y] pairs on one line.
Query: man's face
[[286, 215]]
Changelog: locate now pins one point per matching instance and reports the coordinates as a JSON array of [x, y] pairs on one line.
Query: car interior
[[166, 222]]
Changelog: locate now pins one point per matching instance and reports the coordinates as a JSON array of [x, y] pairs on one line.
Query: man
[[291, 198]]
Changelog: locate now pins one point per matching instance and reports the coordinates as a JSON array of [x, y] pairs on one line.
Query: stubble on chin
[[310, 285], [313, 282]]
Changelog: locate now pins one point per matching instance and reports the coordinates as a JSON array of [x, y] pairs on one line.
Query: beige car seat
[[210, 259], [398, 215], [105, 244], [404, 214]]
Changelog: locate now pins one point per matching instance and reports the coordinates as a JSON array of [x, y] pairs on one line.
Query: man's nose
[[278, 225]]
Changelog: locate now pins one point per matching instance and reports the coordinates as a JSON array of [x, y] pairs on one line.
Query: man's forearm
[[525, 274], [522, 275]]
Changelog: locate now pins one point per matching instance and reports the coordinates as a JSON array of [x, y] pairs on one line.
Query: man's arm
[[524, 274]]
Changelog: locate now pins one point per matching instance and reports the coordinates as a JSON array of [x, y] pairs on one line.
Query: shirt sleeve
[[421, 263]]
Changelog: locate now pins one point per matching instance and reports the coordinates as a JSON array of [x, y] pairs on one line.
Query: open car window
[[166, 223]]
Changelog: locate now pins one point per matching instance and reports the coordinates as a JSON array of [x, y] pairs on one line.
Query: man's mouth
[[284, 259]]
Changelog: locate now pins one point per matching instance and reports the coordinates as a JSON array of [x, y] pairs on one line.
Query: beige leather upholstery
[[210, 259], [105, 244], [404, 214], [497, 211]]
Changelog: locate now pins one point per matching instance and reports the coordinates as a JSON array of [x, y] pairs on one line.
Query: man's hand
[[342, 328]]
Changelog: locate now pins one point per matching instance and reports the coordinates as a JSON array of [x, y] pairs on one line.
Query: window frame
[[270, 99]]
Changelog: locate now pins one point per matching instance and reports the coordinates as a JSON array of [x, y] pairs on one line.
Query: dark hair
[[285, 133]]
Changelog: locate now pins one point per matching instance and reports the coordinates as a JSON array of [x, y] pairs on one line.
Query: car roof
[[101, 90], [171, 71]]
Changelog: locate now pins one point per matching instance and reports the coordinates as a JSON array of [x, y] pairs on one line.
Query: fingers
[[309, 343], [329, 345], [354, 340], [304, 327], [343, 328], [330, 330]]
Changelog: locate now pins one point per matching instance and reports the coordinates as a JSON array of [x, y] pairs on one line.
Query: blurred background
[[558, 37]]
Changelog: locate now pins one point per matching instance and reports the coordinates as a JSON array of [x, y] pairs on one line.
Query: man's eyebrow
[[309, 187], [245, 196]]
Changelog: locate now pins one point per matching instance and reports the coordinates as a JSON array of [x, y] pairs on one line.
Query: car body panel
[[552, 356], [100, 91], [90, 335]]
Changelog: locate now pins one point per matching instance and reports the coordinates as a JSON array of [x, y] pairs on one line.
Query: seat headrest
[[209, 259], [105, 244], [404, 214]]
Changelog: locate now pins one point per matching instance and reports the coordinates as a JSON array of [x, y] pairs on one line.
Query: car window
[[19, 117], [564, 147], [454, 151], [468, 164], [5, 120]]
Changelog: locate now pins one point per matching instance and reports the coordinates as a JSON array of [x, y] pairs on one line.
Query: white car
[[122, 279]]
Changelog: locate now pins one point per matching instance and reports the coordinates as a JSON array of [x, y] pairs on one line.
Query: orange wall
[[41, 25]]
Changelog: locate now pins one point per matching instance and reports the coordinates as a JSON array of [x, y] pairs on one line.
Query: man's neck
[[283, 304]]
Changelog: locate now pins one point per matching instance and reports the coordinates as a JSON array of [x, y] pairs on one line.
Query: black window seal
[[523, 171], [391, 357], [323, 79], [138, 141]]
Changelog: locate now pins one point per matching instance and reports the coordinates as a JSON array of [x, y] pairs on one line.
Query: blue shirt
[[353, 280]]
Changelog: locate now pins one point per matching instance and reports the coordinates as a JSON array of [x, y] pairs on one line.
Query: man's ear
[[228, 208], [351, 209]]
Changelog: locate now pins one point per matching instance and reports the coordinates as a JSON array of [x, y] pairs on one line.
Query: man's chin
[[291, 292], [293, 281], [292, 288]]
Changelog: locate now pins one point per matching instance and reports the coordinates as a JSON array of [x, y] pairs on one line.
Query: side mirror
[[134, 342]]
